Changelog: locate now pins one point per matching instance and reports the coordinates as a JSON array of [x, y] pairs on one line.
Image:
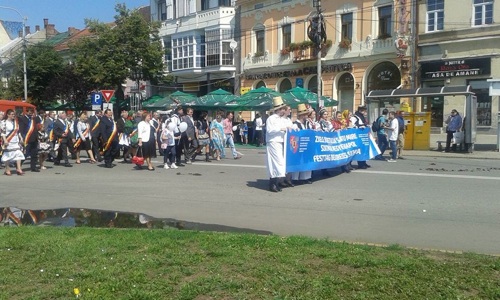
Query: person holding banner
[[83, 138], [276, 128], [359, 121], [11, 143], [301, 124]]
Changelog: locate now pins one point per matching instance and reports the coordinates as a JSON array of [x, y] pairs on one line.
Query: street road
[[422, 201]]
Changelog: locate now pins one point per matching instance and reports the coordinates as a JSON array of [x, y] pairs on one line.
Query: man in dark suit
[[188, 137], [28, 125], [110, 137], [48, 126], [64, 137], [95, 133]]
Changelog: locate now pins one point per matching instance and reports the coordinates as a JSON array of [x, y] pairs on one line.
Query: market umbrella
[[152, 99], [258, 99], [215, 99], [180, 98], [300, 95], [163, 104]]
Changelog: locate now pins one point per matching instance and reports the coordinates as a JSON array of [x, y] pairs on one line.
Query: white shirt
[[393, 134], [258, 123], [274, 124], [143, 131]]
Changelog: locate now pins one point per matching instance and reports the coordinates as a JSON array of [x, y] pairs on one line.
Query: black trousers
[[449, 136], [62, 152], [95, 147], [189, 147], [110, 154], [32, 151]]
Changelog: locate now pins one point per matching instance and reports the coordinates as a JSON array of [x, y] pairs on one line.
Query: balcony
[[208, 18]]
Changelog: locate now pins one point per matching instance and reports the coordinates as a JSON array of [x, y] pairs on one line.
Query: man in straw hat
[[276, 127], [301, 124]]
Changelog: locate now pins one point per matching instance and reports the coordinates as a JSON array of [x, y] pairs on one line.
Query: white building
[[199, 41]]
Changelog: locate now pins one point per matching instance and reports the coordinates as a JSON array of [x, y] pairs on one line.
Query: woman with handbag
[[203, 136], [454, 124], [146, 137]]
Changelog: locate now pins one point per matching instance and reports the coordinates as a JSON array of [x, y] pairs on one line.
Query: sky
[[63, 13]]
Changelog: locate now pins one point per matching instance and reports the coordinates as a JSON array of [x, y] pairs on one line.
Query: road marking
[[365, 171], [429, 175]]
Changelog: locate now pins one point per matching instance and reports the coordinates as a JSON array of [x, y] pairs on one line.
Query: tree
[[43, 64], [108, 55]]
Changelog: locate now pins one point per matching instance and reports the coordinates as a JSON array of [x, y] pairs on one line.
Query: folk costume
[[275, 139], [304, 176], [12, 150]]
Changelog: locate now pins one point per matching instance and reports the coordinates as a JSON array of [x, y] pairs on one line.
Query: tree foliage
[[43, 64], [109, 54]]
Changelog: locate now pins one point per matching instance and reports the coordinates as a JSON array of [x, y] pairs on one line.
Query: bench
[[440, 145]]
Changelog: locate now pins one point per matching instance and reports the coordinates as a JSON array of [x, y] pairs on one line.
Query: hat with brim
[[302, 109], [278, 103]]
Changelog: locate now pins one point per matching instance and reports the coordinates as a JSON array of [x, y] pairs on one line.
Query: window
[[483, 12], [385, 21], [218, 47], [227, 54], [259, 41], [183, 53], [435, 15], [162, 10], [286, 33], [347, 26], [209, 4]]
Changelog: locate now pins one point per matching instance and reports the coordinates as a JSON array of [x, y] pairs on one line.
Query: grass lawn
[[58, 263]]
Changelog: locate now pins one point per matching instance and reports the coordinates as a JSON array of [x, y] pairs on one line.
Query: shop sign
[[456, 68], [301, 72]]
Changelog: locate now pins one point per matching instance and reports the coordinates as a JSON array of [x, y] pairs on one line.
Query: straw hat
[[278, 103], [302, 109]]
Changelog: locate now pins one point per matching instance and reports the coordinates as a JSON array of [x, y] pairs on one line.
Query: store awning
[[463, 90]]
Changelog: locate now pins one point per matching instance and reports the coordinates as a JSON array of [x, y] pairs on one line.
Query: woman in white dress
[[83, 139], [11, 143]]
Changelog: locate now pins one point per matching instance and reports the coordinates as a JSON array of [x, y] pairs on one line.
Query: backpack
[[376, 125], [401, 125]]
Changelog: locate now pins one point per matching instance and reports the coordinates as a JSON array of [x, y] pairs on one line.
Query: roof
[[12, 28], [463, 90], [57, 39], [64, 45]]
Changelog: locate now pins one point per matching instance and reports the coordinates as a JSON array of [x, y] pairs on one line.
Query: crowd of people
[[44, 137]]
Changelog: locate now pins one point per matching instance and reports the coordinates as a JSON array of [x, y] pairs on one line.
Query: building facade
[[199, 42], [460, 47], [368, 47]]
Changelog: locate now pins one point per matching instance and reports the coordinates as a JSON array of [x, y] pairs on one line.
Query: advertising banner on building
[[456, 68], [314, 150]]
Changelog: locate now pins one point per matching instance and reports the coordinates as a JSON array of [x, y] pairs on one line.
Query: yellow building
[[367, 47]]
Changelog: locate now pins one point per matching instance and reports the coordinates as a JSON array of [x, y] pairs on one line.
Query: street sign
[[107, 94], [96, 100], [107, 106]]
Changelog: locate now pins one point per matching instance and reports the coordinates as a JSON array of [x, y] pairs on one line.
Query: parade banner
[[308, 150]]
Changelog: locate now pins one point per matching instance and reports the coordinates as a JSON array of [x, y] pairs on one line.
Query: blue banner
[[308, 150]]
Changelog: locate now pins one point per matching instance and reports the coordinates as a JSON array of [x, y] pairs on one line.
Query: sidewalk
[[484, 148]]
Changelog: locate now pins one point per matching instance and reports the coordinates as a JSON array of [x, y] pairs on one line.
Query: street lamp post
[[317, 5], [137, 75], [25, 73]]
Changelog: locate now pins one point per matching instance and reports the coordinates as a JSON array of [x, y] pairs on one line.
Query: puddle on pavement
[[78, 217]]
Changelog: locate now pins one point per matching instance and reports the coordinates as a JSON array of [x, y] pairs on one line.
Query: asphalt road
[[423, 201]]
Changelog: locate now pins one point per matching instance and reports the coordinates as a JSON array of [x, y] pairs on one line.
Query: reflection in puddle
[[78, 217]]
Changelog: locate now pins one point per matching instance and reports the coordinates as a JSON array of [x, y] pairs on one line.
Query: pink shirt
[[228, 126]]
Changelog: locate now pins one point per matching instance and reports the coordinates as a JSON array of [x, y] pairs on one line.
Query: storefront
[[473, 72]]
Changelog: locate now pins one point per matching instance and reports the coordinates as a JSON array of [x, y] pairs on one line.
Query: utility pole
[[318, 44]]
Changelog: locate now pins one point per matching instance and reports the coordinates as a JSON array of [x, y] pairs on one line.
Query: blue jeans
[[382, 143], [229, 141], [394, 149]]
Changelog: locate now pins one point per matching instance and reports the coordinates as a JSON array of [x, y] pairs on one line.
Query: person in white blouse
[[146, 136], [276, 128]]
